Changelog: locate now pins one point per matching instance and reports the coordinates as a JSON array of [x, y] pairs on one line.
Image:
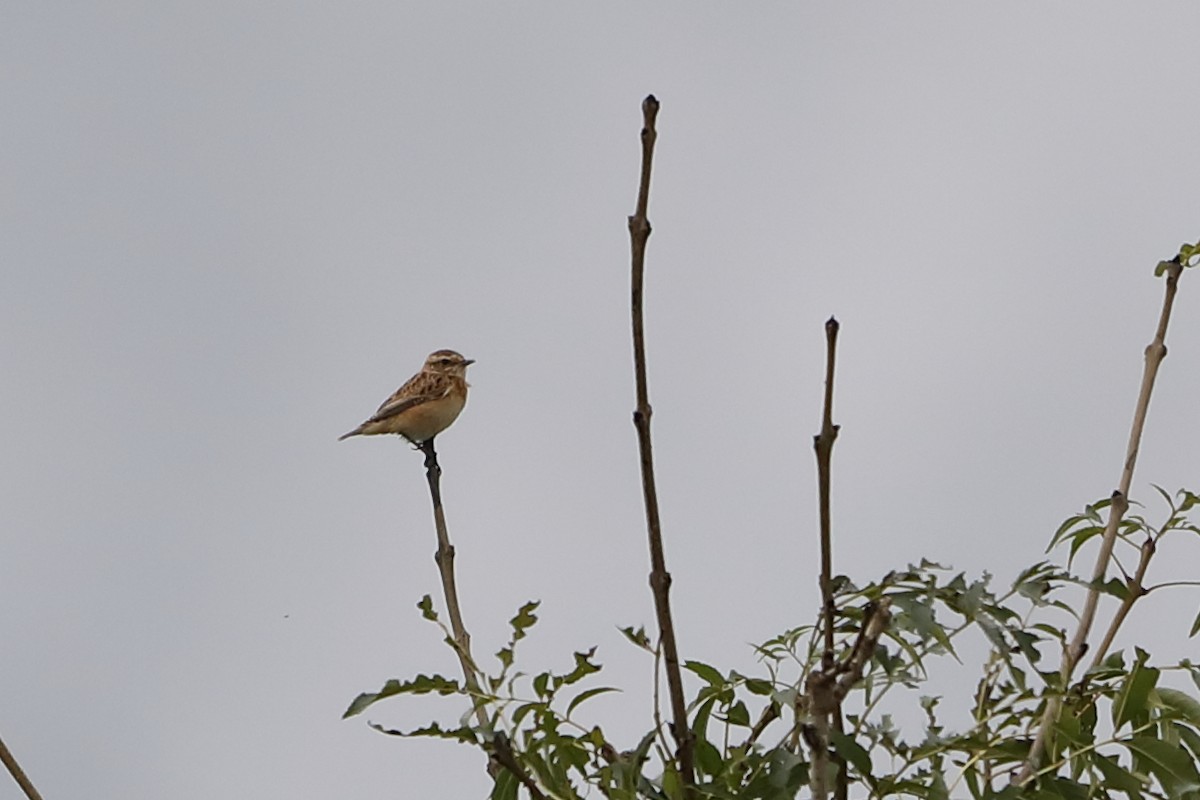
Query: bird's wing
[[396, 406], [402, 400]]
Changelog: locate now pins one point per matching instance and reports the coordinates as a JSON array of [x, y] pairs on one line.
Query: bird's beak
[[468, 362]]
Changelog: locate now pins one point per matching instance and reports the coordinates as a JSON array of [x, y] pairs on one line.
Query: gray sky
[[230, 230]]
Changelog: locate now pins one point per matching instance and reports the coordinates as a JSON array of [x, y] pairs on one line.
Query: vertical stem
[[823, 445], [1156, 351], [444, 557], [660, 579]]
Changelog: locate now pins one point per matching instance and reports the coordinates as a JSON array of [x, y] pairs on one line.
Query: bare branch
[[660, 579], [18, 774], [875, 622], [1135, 588], [444, 557], [823, 445], [1156, 351]]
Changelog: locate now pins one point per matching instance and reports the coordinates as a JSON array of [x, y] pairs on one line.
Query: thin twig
[[1135, 588], [1156, 351], [769, 714], [660, 579], [444, 557], [18, 774], [875, 622], [823, 445]]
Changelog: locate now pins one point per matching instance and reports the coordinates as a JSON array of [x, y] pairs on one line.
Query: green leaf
[[426, 606], [708, 757], [1116, 777], [1131, 701], [852, 751], [1066, 789], [1167, 762], [583, 668], [1184, 705], [700, 721], [1195, 626], [505, 657], [431, 731], [524, 619], [524, 710], [917, 615], [708, 674], [738, 714], [505, 787], [786, 773], [938, 789], [588, 694], [422, 684], [671, 784], [1027, 643], [637, 637], [1190, 738]]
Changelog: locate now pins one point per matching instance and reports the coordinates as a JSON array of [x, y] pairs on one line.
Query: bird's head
[[449, 362]]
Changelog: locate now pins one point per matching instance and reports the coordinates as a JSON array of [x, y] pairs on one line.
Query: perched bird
[[426, 404]]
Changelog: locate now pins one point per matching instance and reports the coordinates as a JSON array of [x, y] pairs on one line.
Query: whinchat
[[426, 404]]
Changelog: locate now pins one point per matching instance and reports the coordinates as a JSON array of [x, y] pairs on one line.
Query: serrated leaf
[[431, 731], [426, 606], [583, 668], [524, 620], [637, 637], [422, 684], [1027, 643], [505, 656]]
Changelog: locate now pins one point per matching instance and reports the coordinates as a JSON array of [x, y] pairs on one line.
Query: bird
[[426, 404]]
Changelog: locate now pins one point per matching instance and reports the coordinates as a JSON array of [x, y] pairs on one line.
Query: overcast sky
[[229, 230]]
